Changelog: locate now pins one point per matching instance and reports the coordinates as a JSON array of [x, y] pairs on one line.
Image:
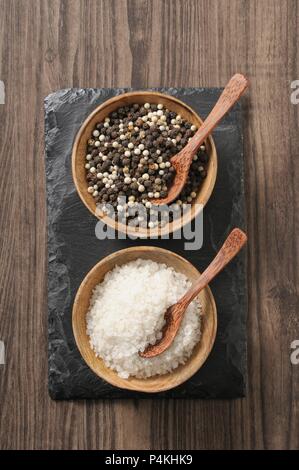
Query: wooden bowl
[[98, 115], [156, 383]]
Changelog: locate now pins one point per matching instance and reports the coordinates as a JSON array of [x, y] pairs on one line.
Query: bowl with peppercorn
[[121, 163]]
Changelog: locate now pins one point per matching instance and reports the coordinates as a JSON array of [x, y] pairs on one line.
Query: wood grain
[[50, 44]]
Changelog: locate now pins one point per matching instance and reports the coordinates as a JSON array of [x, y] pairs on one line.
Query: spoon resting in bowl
[[182, 161], [175, 313]]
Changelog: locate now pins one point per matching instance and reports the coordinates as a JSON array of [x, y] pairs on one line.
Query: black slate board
[[73, 249]]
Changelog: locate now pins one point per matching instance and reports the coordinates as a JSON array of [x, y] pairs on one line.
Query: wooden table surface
[[48, 45]]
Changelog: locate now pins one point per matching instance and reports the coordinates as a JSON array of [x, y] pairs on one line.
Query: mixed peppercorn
[[128, 160]]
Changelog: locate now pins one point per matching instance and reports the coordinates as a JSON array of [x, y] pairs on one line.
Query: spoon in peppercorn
[[182, 160], [175, 313]]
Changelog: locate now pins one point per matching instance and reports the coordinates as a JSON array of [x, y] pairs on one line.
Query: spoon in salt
[[175, 313], [182, 160]]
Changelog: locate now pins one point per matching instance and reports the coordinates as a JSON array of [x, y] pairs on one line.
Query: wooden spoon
[[175, 313], [182, 161]]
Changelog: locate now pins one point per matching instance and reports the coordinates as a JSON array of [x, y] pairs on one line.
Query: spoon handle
[[230, 95], [228, 251]]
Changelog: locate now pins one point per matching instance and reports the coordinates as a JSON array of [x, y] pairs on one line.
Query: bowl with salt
[[118, 311]]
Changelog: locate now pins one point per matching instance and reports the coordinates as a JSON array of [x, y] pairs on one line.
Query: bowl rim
[[144, 233], [127, 382]]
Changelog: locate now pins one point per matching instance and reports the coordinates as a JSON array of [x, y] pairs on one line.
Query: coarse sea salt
[[126, 313]]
